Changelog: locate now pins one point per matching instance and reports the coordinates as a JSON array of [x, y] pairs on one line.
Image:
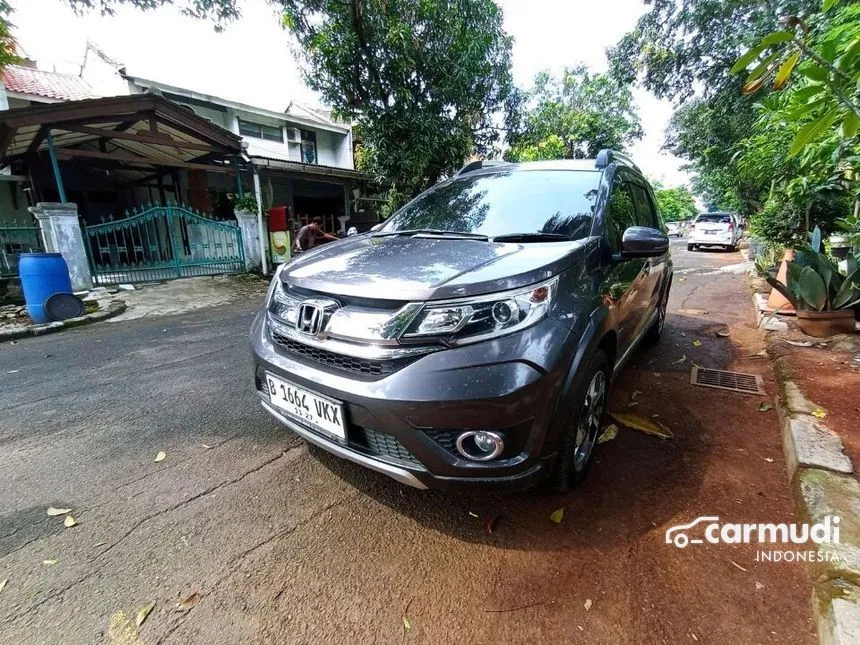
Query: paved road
[[284, 544]]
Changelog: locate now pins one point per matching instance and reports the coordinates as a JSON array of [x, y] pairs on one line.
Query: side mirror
[[643, 242], [376, 227]]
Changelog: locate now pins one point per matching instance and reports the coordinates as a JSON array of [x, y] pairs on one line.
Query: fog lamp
[[480, 445]]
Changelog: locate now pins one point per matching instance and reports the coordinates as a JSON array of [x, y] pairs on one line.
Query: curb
[[821, 481], [115, 308]]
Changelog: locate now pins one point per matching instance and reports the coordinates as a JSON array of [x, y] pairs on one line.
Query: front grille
[[351, 364], [381, 444]]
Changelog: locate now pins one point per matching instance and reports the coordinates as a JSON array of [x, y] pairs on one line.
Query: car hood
[[425, 267]]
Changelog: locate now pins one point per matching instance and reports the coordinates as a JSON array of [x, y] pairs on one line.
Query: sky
[[251, 61]]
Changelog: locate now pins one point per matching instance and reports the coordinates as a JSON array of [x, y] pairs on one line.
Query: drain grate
[[722, 380]]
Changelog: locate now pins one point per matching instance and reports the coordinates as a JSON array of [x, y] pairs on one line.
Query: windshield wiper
[[432, 231], [532, 237]]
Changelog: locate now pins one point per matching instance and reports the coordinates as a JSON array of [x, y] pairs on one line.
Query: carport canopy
[[136, 133]]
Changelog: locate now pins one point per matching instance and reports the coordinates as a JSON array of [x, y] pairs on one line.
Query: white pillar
[[250, 239], [258, 193], [61, 232]]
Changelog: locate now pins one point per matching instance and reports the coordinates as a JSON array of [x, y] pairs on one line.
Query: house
[[303, 156], [113, 143]]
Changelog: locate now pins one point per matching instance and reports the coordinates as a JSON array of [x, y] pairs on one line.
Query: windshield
[[560, 202], [715, 219]]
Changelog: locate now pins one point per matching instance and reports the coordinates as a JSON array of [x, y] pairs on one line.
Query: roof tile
[[53, 85]]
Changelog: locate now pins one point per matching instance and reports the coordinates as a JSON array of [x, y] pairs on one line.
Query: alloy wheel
[[589, 420]]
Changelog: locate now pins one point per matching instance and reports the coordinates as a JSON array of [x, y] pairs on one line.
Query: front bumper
[[404, 423]]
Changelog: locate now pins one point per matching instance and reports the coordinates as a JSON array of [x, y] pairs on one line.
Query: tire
[[580, 437], [691, 247]]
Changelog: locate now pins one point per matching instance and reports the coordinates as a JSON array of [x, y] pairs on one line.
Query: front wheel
[[691, 247], [577, 448]]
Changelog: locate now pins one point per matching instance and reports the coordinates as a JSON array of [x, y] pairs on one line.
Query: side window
[[622, 213], [645, 215]]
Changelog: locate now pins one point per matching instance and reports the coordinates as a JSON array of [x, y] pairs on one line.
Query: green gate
[[162, 243], [17, 237]]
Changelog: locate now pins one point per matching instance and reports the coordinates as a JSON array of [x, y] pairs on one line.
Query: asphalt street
[[270, 541]]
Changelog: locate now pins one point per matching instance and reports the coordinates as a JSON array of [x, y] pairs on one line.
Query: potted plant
[[823, 297]]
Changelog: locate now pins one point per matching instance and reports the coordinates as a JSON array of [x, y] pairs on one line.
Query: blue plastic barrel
[[42, 275]]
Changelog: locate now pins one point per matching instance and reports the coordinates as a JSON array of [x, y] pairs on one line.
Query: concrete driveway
[[282, 543]]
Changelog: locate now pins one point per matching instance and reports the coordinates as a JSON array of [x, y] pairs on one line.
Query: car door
[[620, 289], [651, 277]]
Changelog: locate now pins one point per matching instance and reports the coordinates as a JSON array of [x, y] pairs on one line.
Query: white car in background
[[715, 229], [675, 228]]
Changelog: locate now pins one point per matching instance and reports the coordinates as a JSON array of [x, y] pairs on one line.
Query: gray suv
[[470, 340]]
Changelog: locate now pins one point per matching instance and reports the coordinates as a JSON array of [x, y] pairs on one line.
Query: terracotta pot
[[777, 301], [822, 324]]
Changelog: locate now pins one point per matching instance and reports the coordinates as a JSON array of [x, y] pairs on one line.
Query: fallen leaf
[[407, 624], [53, 512], [3, 583], [490, 524], [697, 343], [206, 446], [738, 566], [800, 343], [694, 637], [680, 360], [69, 522], [764, 407], [471, 514], [50, 561], [768, 459], [143, 612], [635, 395], [13, 371], [723, 334], [160, 456], [635, 422], [188, 602], [682, 279], [633, 404], [694, 312], [759, 585], [588, 604], [818, 413], [557, 515], [757, 354], [609, 433]]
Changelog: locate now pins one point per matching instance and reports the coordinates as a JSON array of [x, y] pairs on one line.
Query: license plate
[[711, 232], [319, 411]]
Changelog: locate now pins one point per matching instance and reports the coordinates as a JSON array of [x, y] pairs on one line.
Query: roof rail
[[477, 165], [607, 156]]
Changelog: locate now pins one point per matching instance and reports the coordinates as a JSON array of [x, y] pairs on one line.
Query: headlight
[[278, 302], [473, 319]]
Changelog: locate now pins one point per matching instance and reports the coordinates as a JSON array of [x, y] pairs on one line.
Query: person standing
[[308, 235]]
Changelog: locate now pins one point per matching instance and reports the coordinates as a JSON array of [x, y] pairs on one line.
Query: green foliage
[[779, 222], [421, 79], [813, 281], [8, 46], [679, 48], [676, 204], [570, 117], [827, 46], [247, 203], [220, 11]]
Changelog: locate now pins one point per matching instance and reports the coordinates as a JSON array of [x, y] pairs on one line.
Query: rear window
[[526, 201], [715, 219]]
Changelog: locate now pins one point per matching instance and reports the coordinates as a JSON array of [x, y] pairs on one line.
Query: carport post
[[53, 154], [258, 193]]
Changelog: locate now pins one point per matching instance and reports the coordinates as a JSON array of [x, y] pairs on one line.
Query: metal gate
[[17, 237], [162, 243]]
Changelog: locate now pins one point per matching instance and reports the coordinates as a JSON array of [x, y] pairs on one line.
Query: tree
[[676, 204], [574, 116], [220, 11], [421, 79], [685, 51]]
